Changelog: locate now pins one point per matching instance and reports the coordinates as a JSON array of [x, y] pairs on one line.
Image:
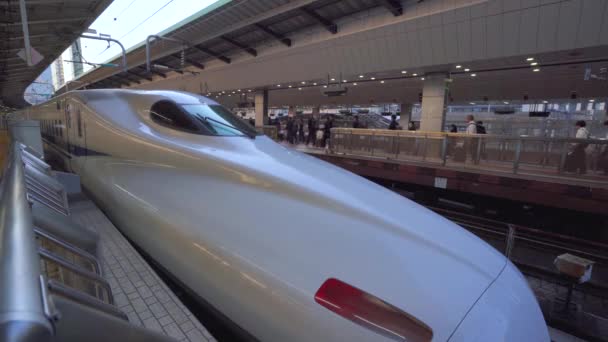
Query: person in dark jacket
[[481, 129], [356, 123], [300, 131], [327, 130], [290, 129], [312, 131], [453, 129], [411, 126], [393, 125]]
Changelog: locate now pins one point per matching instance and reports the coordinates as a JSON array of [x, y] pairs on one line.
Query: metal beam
[[47, 21], [286, 41], [328, 24], [120, 80], [394, 6], [214, 54], [140, 75], [241, 46]]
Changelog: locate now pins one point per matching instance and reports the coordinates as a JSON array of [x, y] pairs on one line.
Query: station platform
[[138, 291], [531, 184]]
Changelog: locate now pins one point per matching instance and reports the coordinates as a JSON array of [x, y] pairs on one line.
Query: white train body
[[256, 229]]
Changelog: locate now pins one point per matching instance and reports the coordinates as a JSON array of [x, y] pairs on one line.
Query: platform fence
[[510, 154]]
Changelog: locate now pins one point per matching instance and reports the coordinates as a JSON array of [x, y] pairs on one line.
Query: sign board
[[587, 74], [441, 182], [36, 56]]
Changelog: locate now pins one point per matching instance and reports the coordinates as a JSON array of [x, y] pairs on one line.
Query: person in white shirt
[[472, 142], [576, 160], [472, 125]]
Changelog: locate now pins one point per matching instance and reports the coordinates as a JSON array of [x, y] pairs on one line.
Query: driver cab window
[[168, 114]]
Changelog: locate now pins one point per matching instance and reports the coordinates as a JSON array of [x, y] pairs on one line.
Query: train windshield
[[219, 120]]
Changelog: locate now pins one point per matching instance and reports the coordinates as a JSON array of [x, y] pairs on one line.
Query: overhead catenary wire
[[148, 18]]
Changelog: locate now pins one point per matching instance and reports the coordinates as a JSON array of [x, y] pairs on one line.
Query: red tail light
[[371, 312]]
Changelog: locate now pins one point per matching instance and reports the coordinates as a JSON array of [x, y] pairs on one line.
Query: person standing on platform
[[576, 160], [301, 132], [472, 142], [411, 126], [453, 129], [393, 125], [327, 130], [289, 129], [481, 129], [356, 123], [312, 131], [277, 124]]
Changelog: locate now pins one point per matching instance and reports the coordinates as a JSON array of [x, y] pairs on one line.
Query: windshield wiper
[[206, 118]]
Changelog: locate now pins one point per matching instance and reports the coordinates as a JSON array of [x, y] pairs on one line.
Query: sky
[[131, 21]]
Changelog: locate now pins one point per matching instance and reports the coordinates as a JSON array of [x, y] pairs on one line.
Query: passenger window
[[58, 105], [168, 114]]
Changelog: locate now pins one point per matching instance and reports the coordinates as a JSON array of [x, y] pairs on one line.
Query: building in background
[[69, 65], [41, 89]]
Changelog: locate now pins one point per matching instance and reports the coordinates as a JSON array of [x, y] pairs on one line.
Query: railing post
[[562, 159], [478, 154], [371, 142], [444, 149], [517, 155], [510, 241], [424, 146], [398, 146]]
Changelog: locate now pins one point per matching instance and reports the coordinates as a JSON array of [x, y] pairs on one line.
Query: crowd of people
[[309, 132], [317, 131]]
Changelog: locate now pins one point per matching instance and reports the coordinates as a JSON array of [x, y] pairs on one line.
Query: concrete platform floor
[[138, 290]]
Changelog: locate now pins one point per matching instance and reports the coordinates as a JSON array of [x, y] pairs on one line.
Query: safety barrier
[[51, 284], [511, 154]]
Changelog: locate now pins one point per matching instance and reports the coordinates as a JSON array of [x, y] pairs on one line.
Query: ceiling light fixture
[[382, 82], [458, 66], [422, 78], [536, 70], [404, 72], [303, 82], [592, 100], [415, 75], [473, 75], [355, 83], [530, 59], [467, 69], [373, 78], [534, 63], [361, 76]]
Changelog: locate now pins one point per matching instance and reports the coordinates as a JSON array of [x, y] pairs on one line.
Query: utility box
[[574, 267]]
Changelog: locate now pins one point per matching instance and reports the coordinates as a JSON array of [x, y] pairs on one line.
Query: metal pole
[[517, 156], [148, 41], [510, 241], [26, 33], [444, 149], [124, 52]]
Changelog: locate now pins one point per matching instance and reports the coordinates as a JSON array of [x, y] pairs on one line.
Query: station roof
[[232, 27], [53, 26]]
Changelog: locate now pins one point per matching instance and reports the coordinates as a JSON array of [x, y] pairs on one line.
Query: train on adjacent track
[[284, 246]]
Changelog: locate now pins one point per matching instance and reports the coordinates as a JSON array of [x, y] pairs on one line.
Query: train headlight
[[371, 312]]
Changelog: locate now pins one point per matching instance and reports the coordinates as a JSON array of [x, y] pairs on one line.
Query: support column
[[406, 115], [261, 108], [433, 103]]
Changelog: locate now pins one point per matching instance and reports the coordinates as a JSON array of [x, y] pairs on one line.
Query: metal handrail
[[22, 313], [504, 153]]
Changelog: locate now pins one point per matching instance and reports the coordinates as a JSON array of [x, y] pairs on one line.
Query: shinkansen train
[[284, 246]]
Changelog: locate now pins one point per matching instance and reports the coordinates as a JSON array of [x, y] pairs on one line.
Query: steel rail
[[22, 304]]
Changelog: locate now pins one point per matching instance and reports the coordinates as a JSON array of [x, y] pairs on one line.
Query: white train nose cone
[[507, 311]]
